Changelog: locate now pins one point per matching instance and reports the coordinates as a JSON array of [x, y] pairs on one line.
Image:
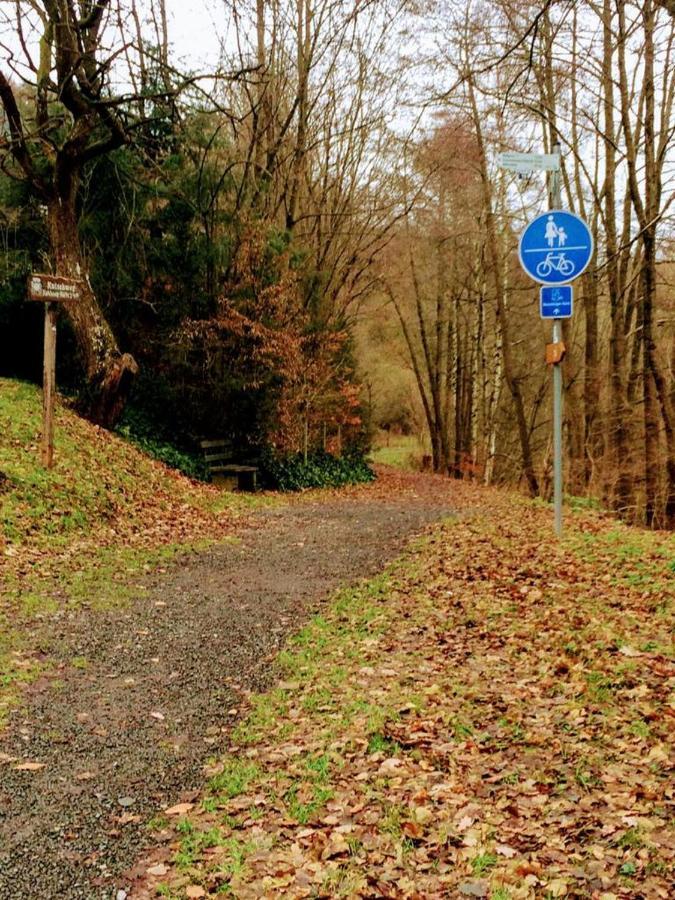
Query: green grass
[[399, 450], [483, 863], [378, 743], [234, 779], [303, 800], [98, 478], [326, 719], [86, 532], [83, 488], [634, 558]]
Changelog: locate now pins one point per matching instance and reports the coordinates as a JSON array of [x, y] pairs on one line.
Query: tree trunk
[[476, 349], [109, 372], [617, 421], [498, 270], [303, 53], [261, 121], [592, 436]]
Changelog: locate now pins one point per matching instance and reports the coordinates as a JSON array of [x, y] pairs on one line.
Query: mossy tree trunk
[[72, 119], [109, 372]]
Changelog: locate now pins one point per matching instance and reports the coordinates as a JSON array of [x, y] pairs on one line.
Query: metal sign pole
[[555, 202], [555, 248]]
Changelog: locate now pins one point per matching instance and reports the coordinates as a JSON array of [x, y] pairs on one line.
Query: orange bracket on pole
[[555, 353]]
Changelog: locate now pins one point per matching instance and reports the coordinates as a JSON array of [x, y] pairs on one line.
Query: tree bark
[[498, 266], [647, 205], [108, 371], [78, 120], [618, 418], [592, 436]]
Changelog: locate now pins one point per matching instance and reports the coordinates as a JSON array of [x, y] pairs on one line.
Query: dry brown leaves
[[491, 719]]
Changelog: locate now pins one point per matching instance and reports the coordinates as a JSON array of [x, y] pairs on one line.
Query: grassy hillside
[[80, 533], [99, 481]]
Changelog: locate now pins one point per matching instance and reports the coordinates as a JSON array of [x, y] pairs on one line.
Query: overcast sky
[[196, 28]]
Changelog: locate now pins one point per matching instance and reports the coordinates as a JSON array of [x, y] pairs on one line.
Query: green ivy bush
[[138, 430], [292, 473]]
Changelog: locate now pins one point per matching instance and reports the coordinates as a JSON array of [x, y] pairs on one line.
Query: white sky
[[195, 30]]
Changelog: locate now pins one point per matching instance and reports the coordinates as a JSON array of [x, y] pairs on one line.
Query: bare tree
[[312, 131], [65, 118], [645, 188], [597, 78], [74, 88]]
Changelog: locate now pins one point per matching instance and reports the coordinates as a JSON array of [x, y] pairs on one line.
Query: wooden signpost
[[50, 290]]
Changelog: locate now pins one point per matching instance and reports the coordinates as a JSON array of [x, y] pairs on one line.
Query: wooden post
[[50, 290], [49, 386]]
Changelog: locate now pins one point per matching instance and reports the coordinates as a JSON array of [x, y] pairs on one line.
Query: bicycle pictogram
[[555, 262]]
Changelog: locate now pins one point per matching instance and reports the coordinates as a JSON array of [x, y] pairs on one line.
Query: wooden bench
[[219, 458]]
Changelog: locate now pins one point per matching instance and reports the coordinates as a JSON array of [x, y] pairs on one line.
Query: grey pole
[[555, 202]]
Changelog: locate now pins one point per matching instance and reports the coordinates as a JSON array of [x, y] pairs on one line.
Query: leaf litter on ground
[[491, 717], [88, 531]]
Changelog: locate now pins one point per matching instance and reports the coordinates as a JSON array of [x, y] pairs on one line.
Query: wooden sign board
[[54, 288], [51, 289]]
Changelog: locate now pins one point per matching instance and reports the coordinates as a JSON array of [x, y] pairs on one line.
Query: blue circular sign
[[556, 247]]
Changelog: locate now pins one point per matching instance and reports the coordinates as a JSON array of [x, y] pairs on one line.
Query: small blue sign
[[556, 247], [556, 302]]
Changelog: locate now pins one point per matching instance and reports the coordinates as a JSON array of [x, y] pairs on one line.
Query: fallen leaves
[[474, 889], [180, 809], [102, 516], [157, 870], [336, 846], [30, 767], [659, 754], [463, 726]]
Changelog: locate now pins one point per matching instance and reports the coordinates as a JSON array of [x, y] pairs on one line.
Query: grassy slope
[[99, 481], [84, 531], [490, 718]]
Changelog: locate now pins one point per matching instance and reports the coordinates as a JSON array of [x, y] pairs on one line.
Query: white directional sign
[[529, 162]]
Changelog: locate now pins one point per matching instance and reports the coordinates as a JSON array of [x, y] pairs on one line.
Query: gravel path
[[128, 733]]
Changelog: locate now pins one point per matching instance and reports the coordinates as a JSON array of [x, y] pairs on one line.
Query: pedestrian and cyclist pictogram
[[556, 247]]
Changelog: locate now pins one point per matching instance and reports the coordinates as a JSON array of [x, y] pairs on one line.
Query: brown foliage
[[262, 336]]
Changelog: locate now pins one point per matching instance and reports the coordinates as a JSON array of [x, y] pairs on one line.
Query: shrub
[[292, 473], [138, 430]]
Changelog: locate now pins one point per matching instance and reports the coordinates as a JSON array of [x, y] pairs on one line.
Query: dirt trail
[[128, 733]]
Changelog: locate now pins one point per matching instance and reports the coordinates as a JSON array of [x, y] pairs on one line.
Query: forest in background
[[337, 178]]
